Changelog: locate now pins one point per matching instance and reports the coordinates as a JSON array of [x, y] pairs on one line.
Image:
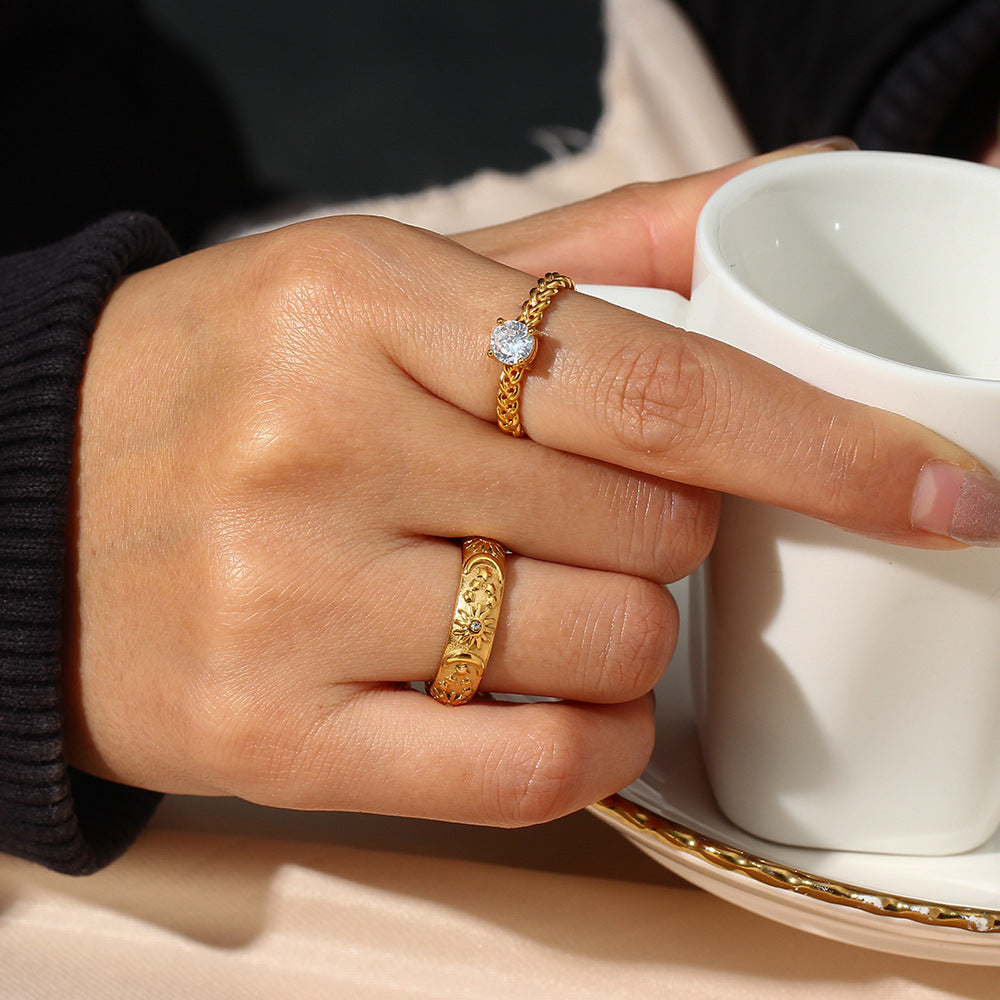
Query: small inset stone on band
[[475, 626], [512, 343]]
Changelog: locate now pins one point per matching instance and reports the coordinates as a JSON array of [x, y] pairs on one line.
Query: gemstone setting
[[512, 343]]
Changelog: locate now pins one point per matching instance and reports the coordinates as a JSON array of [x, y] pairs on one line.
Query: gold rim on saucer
[[679, 837]]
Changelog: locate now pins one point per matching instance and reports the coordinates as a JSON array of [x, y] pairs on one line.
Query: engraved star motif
[[475, 624]]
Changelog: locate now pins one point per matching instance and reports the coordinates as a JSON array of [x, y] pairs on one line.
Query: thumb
[[641, 234]]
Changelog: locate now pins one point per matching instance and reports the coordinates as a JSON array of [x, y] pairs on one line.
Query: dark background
[[195, 109], [349, 99]]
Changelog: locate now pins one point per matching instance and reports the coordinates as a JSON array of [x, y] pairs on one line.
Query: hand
[[279, 436]]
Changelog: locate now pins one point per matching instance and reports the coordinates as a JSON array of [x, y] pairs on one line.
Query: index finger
[[612, 385]]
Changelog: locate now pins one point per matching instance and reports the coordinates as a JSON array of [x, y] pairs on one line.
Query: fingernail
[[957, 503], [831, 142]]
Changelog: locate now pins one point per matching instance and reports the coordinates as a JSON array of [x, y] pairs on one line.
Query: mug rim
[[835, 163]]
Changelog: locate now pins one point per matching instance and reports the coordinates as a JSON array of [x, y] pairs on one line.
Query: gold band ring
[[474, 626], [514, 343]]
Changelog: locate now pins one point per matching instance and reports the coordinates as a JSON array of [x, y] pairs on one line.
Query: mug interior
[[895, 255]]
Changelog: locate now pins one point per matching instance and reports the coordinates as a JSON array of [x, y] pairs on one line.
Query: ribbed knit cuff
[[50, 300], [922, 103]]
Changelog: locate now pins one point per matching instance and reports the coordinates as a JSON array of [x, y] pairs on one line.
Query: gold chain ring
[[514, 343]]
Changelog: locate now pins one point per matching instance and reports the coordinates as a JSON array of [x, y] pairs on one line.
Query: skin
[[281, 437]]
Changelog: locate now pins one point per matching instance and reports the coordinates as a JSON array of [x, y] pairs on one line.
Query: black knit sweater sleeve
[[916, 75], [50, 300]]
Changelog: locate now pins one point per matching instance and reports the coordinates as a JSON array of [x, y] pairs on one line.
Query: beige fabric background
[[223, 900], [223, 917], [665, 115]]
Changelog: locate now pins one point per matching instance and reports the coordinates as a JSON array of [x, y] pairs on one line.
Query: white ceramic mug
[[849, 690]]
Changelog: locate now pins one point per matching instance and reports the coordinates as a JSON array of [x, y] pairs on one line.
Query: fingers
[[642, 234], [401, 752], [563, 632], [359, 742], [464, 478], [665, 401], [581, 635], [613, 386], [303, 710]]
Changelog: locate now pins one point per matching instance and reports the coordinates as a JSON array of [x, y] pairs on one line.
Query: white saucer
[[942, 908]]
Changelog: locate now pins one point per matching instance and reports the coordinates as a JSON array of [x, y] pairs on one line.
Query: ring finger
[[562, 631]]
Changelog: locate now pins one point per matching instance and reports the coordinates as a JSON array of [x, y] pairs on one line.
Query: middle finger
[[459, 476]]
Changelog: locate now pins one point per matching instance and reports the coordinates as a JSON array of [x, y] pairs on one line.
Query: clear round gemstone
[[512, 342], [475, 626]]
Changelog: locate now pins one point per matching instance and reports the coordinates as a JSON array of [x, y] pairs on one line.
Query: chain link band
[[517, 359]]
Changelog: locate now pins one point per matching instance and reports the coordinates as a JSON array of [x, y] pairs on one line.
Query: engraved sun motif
[[475, 623]]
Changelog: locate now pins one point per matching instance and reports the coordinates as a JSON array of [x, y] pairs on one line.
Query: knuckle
[[632, 201], [242, 575], [652, 208], [315, 278], [250, 595], [697, 512], [661, 397], [243, 709], [668, 529], [636, 639], [652, 212], [846, 448], [270, 436], [636, 194], [535, 780], [292, 276]]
